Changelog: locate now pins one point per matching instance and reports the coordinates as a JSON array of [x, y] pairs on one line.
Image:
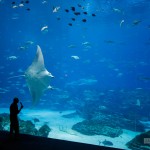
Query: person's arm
[[20, 108]]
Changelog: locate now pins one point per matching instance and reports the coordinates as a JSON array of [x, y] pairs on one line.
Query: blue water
[[113, 56]]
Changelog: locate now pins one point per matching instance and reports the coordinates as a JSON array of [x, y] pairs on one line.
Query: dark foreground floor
[[28, 142]]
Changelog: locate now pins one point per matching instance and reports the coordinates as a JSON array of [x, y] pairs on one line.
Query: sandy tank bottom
[[61, 127]]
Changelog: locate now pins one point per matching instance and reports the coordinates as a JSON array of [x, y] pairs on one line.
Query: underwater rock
[[94, 127], [109, 125], [141, 141], [44, 131], [27, 127], [117, 120], [4, 121], [1, 120], [36, 120]]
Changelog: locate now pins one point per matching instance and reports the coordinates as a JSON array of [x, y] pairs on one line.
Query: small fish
[[44, 2], [75, 57], [85, 13], [77, 13], [29, 43], [122, 21], [22, 2], [86, 44], [83, 20], [15, 6], [27, 2], [28, 9], [21, 5], [116, 10], [13, 3], [71, 46], [73, 8], [22, 48], [11, 57], [93, 15], [66, 10], [55, 9], [44, 28], [136, 22], [73, 19], [70, 24]]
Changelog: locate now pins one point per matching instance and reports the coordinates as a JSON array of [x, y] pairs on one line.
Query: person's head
[[16, 100]]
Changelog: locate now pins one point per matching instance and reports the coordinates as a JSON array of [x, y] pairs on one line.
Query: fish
[[93, 15], [86, 43], [116, 10], [28, 9], [12, 57], [70, 24], [44, 28], [83, 20], [55, 9], [27, 2], [73, 8], [66, 10], [73, 19], [71, 46], [37, 77], [29, 43], [75, 57], [122, 21], [21, 5], [136, 22], [77, 13], [15, 6], [85, 12], [44, 2]]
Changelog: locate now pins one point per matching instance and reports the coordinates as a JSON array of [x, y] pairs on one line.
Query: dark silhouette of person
[[14, 123]]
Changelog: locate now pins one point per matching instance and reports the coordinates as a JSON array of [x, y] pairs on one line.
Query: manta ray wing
[[37, 76]]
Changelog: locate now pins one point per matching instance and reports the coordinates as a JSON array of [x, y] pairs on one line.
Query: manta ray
[[37, 77]]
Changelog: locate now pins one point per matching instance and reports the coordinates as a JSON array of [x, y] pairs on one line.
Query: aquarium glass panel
[[77, 70]]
